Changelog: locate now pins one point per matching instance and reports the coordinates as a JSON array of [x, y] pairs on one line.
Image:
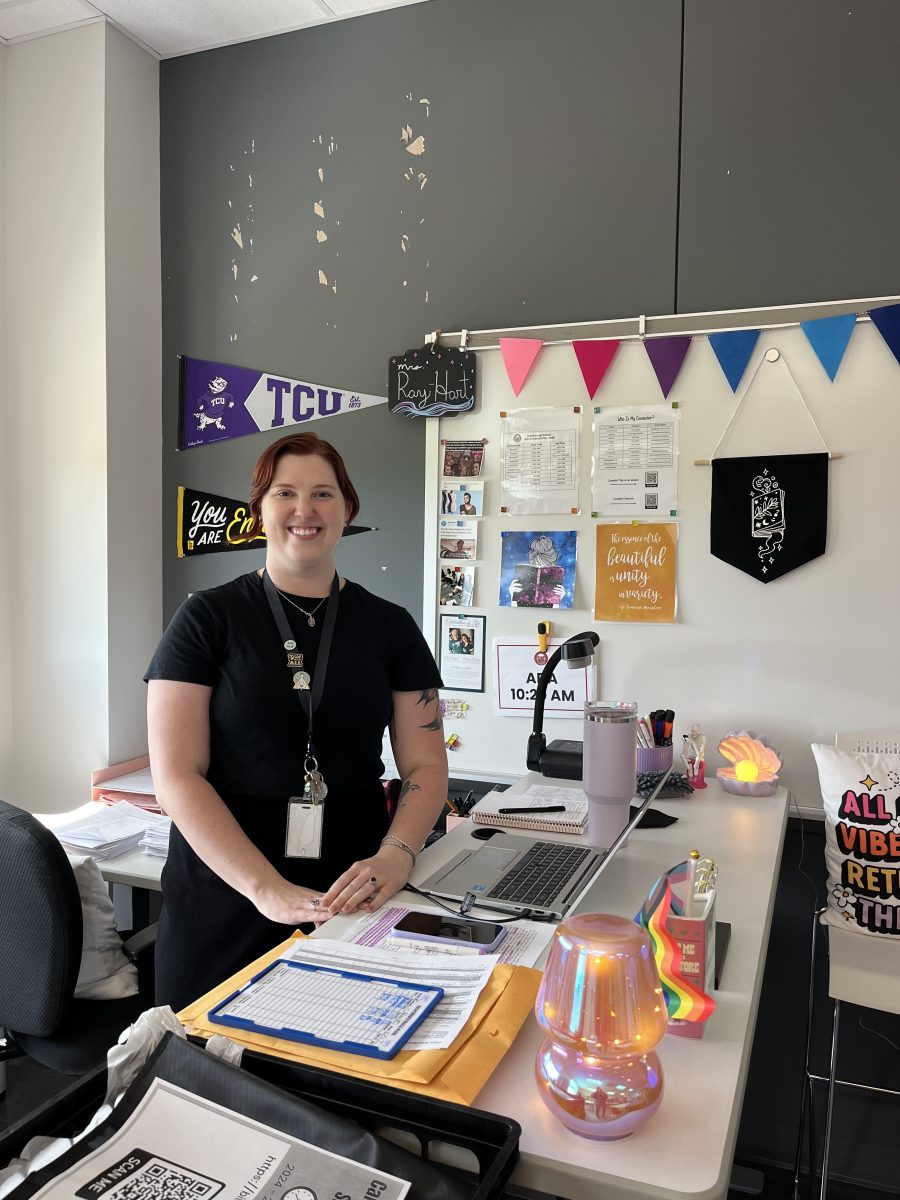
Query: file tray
[[449, 1152]]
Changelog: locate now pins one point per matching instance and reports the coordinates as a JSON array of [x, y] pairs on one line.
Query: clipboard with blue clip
[[324, 1006]]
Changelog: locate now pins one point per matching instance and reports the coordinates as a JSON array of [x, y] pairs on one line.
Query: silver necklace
[[310, 616]]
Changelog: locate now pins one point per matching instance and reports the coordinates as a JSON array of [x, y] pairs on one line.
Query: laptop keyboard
[[537, 878]]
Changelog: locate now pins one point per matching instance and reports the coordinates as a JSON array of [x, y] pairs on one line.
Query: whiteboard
[[795, 660]]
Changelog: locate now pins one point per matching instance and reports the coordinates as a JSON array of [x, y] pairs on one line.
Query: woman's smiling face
[[304, 514]]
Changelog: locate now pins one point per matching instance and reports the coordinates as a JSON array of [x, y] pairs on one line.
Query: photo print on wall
[[537, 568]]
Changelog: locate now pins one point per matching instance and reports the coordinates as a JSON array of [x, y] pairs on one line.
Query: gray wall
[[551, 150]]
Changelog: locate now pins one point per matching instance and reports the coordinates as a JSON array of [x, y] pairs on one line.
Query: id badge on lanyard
[[303, 837], [303, 831]]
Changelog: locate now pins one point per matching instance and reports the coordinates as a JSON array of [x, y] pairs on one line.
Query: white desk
[[686, 1150]]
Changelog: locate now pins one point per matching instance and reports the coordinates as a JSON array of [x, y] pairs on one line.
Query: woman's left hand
[[367, 884]]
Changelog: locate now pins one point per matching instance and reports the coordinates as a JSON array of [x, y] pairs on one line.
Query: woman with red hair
[[268, 698]]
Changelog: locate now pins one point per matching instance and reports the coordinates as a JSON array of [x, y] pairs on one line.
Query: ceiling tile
[[353, 8], [39, 16], [173, 27]]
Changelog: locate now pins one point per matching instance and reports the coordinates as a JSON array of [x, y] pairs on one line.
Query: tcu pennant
[[769, 513], [219, 401]]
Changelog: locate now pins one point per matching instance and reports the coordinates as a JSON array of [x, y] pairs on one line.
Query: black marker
[[549, 808]]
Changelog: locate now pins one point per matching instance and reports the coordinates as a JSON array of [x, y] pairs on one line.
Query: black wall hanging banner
[[426, 382], [769, 513]]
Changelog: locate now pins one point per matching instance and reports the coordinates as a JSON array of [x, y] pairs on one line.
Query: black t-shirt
[[226, 639]]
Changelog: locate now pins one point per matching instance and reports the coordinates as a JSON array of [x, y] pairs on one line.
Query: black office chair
[[40, 955]]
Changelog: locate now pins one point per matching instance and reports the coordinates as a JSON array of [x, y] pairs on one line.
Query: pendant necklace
[[310, 616]]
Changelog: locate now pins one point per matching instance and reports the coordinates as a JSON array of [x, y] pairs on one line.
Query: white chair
[[862, 970]]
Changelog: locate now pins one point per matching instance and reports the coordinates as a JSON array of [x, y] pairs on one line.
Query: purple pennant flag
[[887, 321], [220, 401], [829, 336], [667, 355], [733, 350]]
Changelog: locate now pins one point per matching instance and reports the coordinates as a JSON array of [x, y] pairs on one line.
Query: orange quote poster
[[636, 576]]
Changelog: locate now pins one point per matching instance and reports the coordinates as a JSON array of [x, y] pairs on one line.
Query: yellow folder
[[457, 1073]]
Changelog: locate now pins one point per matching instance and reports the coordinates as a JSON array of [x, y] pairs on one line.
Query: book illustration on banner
[[457, 539], [431, 381], [537, 568], [457, 586], [551, 809], [769, 513], [462, 460], [463, 499], [218, 401]]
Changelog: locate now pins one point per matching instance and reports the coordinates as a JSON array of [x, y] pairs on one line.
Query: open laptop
[[526, 876]]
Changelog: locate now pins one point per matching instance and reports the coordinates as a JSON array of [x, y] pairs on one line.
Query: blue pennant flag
[[887, 321], [733, 351], [829, 336]]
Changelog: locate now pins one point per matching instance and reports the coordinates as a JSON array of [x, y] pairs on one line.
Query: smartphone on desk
[[486, 936]]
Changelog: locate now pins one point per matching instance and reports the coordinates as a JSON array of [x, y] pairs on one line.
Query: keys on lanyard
[[315, 789]]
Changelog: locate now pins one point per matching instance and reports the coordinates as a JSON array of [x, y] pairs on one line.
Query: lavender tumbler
[[610, 754]]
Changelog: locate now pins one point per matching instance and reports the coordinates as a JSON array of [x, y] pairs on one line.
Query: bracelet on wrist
[[391, 840]]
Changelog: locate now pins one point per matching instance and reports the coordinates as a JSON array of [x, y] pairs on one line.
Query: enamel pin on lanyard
[[303, 834]]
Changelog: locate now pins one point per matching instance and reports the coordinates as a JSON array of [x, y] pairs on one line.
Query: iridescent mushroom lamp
[[603, 1010]]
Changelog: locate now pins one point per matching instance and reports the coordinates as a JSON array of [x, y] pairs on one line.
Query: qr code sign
[[144, 1176], [651, 479], [651, 500]]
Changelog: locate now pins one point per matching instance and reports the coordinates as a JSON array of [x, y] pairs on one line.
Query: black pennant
[[769, 513]]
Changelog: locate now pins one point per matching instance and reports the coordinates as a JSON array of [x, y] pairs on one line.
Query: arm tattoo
[[426, 697], [408, 786]]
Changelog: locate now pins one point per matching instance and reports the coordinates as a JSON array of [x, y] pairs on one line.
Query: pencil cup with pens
[[654, 737]]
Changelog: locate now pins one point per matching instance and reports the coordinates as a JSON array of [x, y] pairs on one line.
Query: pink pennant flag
[[519, 355], [594, 359]]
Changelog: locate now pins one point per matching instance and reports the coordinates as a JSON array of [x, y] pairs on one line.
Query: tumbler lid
[[610, 712]]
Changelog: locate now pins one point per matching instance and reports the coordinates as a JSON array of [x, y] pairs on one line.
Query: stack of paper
[[106, 832], [156, 839]]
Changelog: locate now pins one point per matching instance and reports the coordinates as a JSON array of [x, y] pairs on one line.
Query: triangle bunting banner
[[518, 356], [887, 321], [829, 336], [594, 359], [666, 355], [733, 350]]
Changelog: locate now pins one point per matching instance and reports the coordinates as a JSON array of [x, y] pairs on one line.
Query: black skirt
[[208, 931]]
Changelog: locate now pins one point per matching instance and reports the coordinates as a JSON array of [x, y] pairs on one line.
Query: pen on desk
[[549, 808]]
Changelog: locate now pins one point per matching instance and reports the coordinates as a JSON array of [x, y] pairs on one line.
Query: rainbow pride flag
[[684, 1000]]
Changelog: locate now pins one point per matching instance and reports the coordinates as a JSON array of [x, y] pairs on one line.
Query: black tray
[[476, 1147]]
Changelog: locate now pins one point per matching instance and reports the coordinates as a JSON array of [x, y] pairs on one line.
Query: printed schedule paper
[[460, 978], [344, 1010]]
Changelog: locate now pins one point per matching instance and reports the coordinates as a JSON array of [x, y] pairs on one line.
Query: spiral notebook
[[572, 820]]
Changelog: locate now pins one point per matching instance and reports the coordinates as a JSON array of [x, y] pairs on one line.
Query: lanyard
[[309, 699]]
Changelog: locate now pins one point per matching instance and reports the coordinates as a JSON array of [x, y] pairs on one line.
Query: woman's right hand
[[289, 904]]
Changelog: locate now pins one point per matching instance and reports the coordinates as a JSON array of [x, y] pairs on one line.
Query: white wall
[[5, 569], [133, 387], [83, 357], [795, 660]]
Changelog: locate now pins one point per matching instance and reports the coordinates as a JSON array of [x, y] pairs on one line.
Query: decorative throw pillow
[[106, 973], [861, 797]]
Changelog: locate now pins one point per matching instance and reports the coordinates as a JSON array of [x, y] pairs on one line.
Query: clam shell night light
[[755, 764]]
